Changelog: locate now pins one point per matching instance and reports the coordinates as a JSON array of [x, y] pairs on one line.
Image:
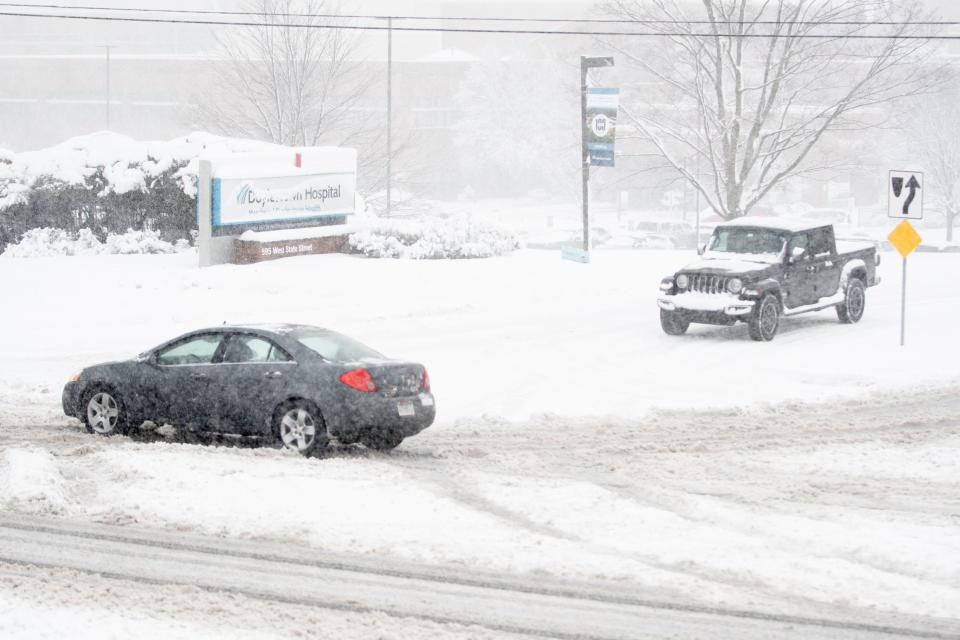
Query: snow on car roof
[[781, 224], [273, 327]]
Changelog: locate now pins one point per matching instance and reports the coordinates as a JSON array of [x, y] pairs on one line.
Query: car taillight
[[426, 380], [359, 379]]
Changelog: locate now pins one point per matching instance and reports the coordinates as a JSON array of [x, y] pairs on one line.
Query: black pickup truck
[[756, 270]]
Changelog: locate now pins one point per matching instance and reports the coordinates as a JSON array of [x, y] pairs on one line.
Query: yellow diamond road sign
[[904, 238]]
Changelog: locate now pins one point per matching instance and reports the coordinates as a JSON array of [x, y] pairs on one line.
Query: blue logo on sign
[[242, 193]]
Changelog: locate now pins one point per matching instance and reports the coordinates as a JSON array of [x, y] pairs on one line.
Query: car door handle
[[273, 374], [828, 264], [198, 375]]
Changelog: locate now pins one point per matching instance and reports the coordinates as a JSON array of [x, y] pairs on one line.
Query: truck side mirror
[[796, 254], [702, 249]]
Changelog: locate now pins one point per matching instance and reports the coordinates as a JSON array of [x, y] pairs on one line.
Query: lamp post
[[587, 63]]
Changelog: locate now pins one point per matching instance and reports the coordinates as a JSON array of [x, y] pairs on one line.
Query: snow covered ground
[[820, 468], [508, 338]]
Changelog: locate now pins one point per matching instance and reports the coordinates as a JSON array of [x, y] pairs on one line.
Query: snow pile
[[126, 165], [45, 242], [434, 238], [31, 482]]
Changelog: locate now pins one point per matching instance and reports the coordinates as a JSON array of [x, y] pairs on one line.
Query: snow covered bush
[[46, 241], [433, 238], [108, 183]]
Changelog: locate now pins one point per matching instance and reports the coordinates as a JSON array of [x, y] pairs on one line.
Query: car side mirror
[[147, 358]]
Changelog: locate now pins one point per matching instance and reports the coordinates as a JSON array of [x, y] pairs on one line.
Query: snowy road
[[846, 511], [299, 576]]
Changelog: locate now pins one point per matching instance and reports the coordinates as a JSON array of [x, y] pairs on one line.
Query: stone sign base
[[250, 251]]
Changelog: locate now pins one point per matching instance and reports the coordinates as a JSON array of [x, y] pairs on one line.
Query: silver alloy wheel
[[298, 429], [768, 318], [103, 413]]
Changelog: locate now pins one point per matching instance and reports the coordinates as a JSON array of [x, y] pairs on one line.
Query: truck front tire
[[765, 319], [673, 323], [854, 302]]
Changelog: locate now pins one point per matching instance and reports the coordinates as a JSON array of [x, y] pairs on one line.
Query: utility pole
[[107, 48], [389, 107]]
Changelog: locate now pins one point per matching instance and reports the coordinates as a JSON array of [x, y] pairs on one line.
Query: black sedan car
[[301, 385]]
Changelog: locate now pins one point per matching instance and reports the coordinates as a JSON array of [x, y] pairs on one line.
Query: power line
[[211, 12], [354, 27]]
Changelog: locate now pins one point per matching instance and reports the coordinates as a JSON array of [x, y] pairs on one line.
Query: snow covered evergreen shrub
[[47, 241], [108, 183], [433, 238]]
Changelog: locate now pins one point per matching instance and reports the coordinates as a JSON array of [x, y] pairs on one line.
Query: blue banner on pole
[[600, 125]]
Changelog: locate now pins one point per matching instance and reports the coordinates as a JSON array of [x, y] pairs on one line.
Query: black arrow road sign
[[913, 185], [905, 195]]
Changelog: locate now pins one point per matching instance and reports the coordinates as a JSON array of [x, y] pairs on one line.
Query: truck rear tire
[[854, 302], [765, 319], [673, 323]]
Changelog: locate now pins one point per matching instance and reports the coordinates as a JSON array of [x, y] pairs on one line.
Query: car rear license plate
[[406, 408]]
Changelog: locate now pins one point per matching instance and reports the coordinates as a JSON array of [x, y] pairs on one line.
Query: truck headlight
[[666, 284], [734, 285], [683, 281]]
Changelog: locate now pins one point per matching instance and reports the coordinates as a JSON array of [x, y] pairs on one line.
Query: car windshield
[[747, 241], [335, 347]]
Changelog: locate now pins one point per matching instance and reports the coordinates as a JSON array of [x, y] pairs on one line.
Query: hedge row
[[50, 202]]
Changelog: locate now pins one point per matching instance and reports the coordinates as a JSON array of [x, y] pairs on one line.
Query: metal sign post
[[903, 304], [903, 203], [586, 63]]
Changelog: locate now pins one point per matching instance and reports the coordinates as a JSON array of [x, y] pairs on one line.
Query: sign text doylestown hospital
[[264, 200]]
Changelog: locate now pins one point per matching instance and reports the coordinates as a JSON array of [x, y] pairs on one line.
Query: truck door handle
[[272, 374], [828, 263]]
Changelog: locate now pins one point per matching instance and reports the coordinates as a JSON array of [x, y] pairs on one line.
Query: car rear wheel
[[382, 440], [854, 302], [673, 323], [301, 428], [765, 319], [104, 412]]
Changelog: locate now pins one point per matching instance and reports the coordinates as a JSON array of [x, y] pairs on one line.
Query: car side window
[[820, 242], [196, 350], [799, 241], [249, 348]]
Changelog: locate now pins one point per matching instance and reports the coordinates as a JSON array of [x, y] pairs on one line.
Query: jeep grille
[[707, 283]]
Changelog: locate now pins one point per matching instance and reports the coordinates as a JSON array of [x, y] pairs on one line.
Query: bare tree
[[935, 129], [287, 84], [748, 88]]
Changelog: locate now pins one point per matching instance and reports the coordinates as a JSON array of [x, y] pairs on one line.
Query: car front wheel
[[854, 302], [104, 412], [765, 319], [301, 428]]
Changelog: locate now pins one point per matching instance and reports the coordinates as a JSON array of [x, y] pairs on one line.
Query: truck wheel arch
[[769, 286], [855, 268]]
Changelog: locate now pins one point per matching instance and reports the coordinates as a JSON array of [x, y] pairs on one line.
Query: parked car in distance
[[755, 270], [300, 385], [662, 234]]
